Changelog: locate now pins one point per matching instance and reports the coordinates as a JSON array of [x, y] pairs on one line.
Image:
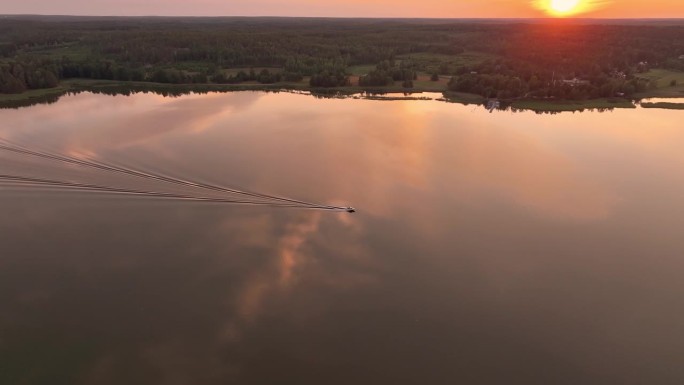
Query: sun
[[564, 7], [568, 8]]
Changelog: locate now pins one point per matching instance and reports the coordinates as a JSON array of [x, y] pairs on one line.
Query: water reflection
[[539, 106], [488, 248]]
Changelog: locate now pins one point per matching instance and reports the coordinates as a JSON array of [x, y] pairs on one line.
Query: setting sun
[[564, 6]]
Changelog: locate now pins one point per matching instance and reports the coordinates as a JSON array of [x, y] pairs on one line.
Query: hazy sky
[[342, 8]]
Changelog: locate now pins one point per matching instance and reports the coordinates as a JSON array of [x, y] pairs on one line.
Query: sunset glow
[[357, 8], [564, 7]]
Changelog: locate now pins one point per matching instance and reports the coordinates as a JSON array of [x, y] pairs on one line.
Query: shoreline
[[82, 85]]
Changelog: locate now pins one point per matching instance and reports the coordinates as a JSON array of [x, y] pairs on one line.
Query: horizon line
[[342, 17]]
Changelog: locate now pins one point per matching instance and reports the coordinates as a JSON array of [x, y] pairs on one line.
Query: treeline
[[588, 49], [19, 76], [509, 87], [572, 61], [534, 59], [508, 79], [305, 46]]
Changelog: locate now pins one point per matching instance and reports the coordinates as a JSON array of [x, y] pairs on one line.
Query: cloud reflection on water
[[478, 237]]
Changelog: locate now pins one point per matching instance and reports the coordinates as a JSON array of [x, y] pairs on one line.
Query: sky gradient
[[344, 8]]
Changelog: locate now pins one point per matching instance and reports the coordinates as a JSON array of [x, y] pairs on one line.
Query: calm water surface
[[488, 248]]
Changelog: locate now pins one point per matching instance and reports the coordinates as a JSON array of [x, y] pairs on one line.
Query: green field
[[360, 70], [72, 51], [663, 79], [35, 94], [235, 71], [431, 62], [463, 98], [559, 106], [665, 105]]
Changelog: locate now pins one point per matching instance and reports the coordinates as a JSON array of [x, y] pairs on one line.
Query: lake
[[488, 247]]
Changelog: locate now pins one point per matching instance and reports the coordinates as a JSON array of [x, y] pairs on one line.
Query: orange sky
[[344, 8]]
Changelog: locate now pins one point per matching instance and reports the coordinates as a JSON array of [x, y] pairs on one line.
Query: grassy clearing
[[467, 58], [87, 84], [422, 84], [431, 62], [104, 85], [666, 105], [665, 92], [33, 97], [559, 106], [663, 79], [35, 94], [189, 66], [425, 82], [463, 98], [418, 86], [235, 71], [392, 98], [360, 69], [70, 50]]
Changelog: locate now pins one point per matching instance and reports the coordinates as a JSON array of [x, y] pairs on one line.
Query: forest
[[569, 60]]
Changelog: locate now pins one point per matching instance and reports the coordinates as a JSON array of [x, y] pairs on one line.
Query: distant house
[[575, 82], [642, 66], [619, 74], [493, 104]]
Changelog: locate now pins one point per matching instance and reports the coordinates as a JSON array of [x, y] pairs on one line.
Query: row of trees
[[303, 46], [509, 87], [330, 79], [197, 51], [387, 72], [17, 77]]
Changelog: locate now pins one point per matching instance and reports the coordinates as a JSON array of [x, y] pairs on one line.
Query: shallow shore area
[[78, 85]]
